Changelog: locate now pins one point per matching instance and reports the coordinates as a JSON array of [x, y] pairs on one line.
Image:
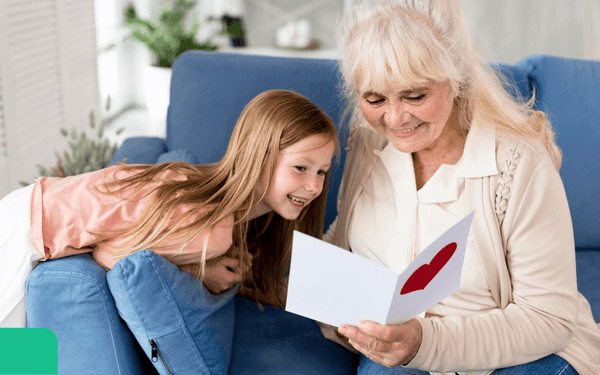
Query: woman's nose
[[397, 115]]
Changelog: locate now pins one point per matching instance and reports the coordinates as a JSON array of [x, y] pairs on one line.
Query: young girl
[[219, 222]]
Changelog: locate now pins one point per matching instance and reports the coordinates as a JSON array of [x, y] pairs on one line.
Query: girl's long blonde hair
[[272, 121], [388, 43]]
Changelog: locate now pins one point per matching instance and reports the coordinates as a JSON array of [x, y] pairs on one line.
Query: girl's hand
[[390, 346], [222, 273]]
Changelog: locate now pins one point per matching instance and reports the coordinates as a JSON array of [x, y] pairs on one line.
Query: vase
[[157, 82]]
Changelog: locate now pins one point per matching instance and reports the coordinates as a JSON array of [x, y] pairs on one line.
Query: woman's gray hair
[[408, 41], [404, 43]]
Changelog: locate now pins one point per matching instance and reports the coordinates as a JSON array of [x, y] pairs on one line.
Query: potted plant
[[85, 154], [166, 39]]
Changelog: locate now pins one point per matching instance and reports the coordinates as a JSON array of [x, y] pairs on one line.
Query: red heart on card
[[424, 274]]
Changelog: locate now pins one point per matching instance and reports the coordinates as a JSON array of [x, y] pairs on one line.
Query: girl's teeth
[[296, 200]]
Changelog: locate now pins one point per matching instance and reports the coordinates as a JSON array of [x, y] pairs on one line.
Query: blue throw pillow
[[180, 325]]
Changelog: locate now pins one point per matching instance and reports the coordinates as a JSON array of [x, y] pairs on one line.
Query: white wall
[[509, 30], [504, 30], [48, 81]]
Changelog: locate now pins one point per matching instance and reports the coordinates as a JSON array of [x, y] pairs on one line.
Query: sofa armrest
[[70, 296], [140, 150]]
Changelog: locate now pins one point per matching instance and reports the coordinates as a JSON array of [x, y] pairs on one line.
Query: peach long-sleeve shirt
[[65, 210]]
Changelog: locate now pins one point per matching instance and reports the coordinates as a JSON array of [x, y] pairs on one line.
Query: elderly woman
[[434, 137]]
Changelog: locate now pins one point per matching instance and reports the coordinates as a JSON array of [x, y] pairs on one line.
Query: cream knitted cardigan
[[540, 311]]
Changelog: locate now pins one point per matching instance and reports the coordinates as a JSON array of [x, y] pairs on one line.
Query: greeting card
[[335, 286]]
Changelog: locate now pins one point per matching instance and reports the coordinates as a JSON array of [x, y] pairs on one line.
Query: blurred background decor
[[85, 154], [234, 29], [166, 39], [58, 58], [296, 35]]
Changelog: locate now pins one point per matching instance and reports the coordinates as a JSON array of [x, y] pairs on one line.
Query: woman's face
[[412, 119]]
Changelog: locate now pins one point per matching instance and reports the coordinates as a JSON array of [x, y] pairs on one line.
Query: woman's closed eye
[[415, 99], [375, 101]]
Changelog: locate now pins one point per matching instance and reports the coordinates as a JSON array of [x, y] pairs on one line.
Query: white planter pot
[[157, 81]]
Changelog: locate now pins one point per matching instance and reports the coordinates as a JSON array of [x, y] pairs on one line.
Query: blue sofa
[[72, 296]]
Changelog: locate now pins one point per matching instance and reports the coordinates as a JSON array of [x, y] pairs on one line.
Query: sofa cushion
[[200, 121], [569, 91], [177, 155], [180, 325], [588, 269], [70, 297], [139, 150], [273, 341], [515, 80]]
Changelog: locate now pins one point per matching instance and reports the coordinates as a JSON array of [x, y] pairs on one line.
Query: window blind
[[48, 72]]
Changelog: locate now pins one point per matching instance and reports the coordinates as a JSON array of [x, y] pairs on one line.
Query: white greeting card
[[335, 286]]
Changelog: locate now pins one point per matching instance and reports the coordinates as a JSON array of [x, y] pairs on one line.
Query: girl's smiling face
[[298, 177], [411, 119]]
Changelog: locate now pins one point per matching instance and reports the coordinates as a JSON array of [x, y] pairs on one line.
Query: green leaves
[[85, 154], [167, 39]]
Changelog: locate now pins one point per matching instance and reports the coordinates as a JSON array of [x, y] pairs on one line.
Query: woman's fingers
[[354, 334], [390, 345], [362, 341]]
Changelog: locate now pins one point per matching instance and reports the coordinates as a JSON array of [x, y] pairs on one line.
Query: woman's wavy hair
[[271, 122], [388, 43]]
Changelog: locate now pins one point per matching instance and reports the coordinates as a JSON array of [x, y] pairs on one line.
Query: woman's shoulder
[[521, 163], [511, 148], [525, 153]]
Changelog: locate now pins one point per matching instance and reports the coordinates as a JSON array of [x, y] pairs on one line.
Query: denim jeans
[[550, 365]]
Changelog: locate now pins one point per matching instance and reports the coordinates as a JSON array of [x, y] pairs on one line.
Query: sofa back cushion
[[568, 90], [210, 90], [515, 80]]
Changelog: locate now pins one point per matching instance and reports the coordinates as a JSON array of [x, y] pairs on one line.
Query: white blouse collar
[[479, 156], [478, 160]]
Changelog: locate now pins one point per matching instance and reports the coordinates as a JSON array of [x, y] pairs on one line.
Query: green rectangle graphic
[[28, 351]]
